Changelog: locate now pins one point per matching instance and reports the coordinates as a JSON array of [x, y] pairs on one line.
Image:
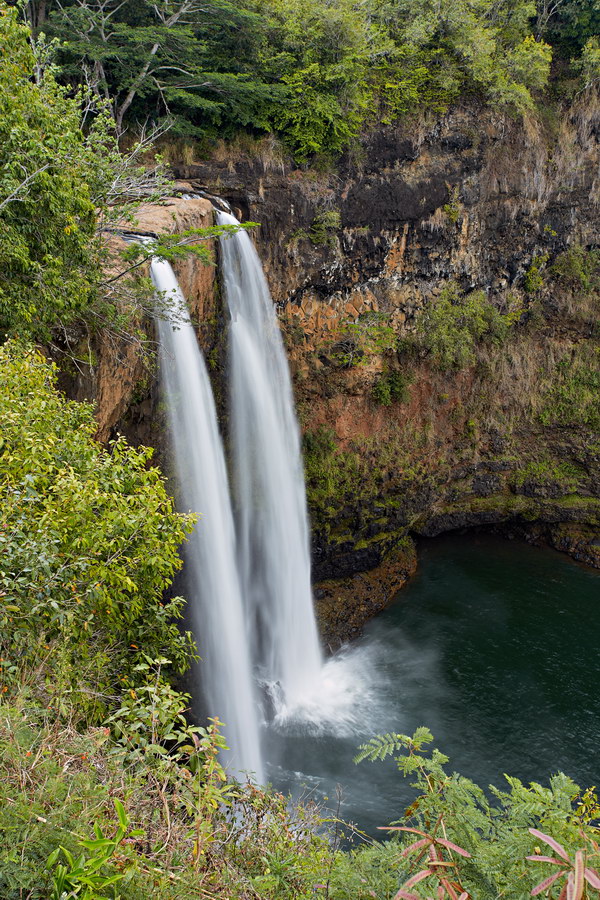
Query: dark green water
[[494, 646]]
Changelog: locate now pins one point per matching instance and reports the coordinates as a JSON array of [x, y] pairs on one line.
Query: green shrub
[[452, 325], [370, 335], [88, 542], [192, 834], [392, 387], [48, 256], [573, 397], [452, 208], [577, 269], [454, 839], [534, 278], [323, 229]]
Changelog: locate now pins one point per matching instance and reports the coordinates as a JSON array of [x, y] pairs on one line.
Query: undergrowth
[[188, 832], [573, 396], [81, 816]]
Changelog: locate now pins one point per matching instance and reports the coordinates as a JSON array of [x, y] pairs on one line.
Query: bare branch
[[14, 197]]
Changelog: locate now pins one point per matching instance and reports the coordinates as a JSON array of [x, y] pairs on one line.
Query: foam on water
[[342, 698]]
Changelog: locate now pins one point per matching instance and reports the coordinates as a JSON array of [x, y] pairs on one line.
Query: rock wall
[[475, 199], [113, 366], [469, 196]]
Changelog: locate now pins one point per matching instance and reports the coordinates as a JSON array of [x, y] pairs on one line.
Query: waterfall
[[215, 595], [268, 486]]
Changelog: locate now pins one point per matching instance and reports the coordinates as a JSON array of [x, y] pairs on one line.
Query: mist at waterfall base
[[493, 645]]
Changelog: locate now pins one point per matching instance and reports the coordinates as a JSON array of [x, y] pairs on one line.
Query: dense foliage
[[454, 841], [65, 186], [85, 815], [88, 542], [47, 219], [106, 790], [313, 72], [454, 324]]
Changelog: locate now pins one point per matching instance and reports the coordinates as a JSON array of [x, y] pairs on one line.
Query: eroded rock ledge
[[111, 370]]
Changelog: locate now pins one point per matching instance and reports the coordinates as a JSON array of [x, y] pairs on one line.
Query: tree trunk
[[122, 109]]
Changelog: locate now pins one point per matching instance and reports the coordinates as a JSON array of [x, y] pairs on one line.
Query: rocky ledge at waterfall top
[[396, 445], [119, 381]]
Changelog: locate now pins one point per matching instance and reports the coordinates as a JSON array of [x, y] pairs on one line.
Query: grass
[[58, 782]]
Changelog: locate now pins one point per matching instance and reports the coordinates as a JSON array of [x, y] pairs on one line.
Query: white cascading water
[[216, 605], [268, 487]]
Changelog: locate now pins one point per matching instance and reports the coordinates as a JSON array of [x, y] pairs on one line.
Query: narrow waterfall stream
[[268, 488], [215, 598]]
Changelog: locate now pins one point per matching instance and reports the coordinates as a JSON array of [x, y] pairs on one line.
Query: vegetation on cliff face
[[107, 791], [451, 328], [494, 419]]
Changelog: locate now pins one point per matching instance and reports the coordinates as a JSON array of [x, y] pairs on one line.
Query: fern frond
[[381, 746], [422, 736]]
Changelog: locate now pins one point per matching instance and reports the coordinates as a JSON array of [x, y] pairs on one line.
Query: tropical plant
[[477, 848], [392, 387], [202, 836], [47, 219], [437, 867], [370, 334], [85, 876], [452, 324], [575, 872], [315, 73], [89, 542]]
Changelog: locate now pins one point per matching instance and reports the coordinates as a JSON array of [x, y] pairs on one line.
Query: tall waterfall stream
[[248, 560], [269, 495], [216, 606]]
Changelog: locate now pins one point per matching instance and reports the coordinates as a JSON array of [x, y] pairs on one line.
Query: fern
[[384, 745], [494, 836], [381, 746]]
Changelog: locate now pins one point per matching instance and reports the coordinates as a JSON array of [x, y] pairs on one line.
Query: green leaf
[[123, 818]]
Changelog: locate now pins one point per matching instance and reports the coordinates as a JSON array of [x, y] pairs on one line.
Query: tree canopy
[[47, 218], [313, 72]]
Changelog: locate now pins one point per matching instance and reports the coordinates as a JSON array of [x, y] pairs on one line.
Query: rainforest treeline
[[314, 73]]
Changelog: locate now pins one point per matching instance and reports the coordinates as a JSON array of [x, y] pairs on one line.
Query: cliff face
[[402, 436], [397, 444], [468, 197], [112, 367]]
